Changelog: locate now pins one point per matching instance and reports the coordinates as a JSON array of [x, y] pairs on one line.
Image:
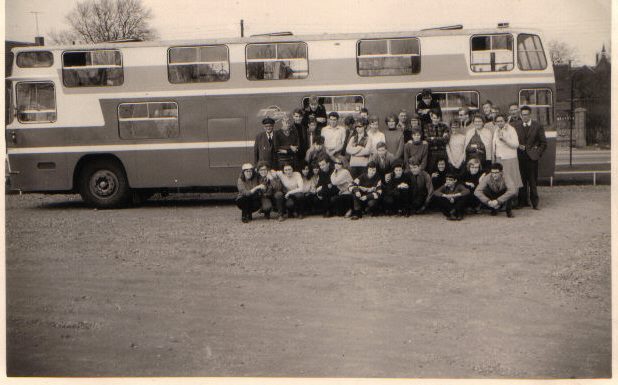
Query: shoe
[[536, 208], [354, 217], [509, 214], [494, 212], [327, 214], [459, 217], [300, 216], [281, 218], [245, 220], [348, 214], [451, 217], [267, 215], [406, 213]]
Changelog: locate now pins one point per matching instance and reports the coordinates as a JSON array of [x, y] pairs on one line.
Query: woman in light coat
[[504, 149]]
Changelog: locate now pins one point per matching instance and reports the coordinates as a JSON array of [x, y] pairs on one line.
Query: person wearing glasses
[[532, 144]]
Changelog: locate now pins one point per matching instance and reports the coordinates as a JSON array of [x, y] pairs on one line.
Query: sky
[[585, 25]]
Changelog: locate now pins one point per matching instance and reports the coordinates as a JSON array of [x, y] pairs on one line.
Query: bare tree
[[64, 37], [94, 21], [561, 52]]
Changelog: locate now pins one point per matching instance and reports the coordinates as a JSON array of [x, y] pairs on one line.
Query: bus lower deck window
[[36, 102], [148, 120]]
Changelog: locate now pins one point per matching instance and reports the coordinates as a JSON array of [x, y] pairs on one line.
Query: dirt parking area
[[180, 287]]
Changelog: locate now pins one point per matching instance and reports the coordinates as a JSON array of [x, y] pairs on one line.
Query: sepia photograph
[[308, 189]]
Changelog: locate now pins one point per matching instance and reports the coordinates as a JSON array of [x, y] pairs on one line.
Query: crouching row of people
[[331, 190]]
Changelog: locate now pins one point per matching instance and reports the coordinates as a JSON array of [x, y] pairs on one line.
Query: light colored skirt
[[511, 170]]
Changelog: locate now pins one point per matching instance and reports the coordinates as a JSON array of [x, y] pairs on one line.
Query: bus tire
[[103, 184]]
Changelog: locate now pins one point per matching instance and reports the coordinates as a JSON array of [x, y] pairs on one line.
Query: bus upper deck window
[[36, 102], [198, 64], [530, 53], [277, 61], [92, 68], [388, 57], [35, 59], [491, 53]]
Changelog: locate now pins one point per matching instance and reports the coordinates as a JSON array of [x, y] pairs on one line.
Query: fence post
[[580, 127]]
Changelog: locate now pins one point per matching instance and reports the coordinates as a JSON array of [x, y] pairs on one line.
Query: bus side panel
[[39, 172]]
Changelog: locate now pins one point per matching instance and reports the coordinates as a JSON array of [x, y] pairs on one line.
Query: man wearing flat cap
[[264, 148]]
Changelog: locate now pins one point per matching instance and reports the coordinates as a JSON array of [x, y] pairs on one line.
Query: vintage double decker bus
[[114, 121]]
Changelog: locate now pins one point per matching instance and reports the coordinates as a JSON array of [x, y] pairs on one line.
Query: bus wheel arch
[[101, 180]]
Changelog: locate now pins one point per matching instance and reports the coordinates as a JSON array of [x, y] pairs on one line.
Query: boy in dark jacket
[[366, 191], [421, 189], [396, 191], [451, 198], [324, 188]]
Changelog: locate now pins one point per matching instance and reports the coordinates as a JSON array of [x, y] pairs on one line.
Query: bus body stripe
[[146, 147], [130, 147]]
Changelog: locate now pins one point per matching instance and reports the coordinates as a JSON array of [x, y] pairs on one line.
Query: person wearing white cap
[[252, 195]]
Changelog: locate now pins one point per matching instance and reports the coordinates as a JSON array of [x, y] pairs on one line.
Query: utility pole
[[36, 19], [571, 118], [242, 28]]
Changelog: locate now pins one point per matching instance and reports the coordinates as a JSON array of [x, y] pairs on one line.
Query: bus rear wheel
[[103, 183]]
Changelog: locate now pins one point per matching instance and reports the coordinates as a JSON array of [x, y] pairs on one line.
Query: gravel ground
[[181, 287]]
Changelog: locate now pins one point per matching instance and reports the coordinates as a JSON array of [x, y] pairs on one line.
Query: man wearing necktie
[[263, 148], [532, 144]]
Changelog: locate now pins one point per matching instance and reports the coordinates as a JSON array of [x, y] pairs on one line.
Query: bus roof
[[283, 38]]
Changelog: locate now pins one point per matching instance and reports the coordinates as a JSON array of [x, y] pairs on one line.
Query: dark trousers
[[489, 193], [312, 203], [295, 202], [397, 200], [447, 207], [325, 198], [252, 203], [371, 204], [341, 203], [529, 170], [417, 199]]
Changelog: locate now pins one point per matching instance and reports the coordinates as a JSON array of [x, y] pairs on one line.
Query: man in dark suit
[[263, 148], [532, 144]]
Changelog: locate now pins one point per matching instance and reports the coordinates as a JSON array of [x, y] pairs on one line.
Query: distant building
[[591, 90]]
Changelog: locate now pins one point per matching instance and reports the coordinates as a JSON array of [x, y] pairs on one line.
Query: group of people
[[314, 164]]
